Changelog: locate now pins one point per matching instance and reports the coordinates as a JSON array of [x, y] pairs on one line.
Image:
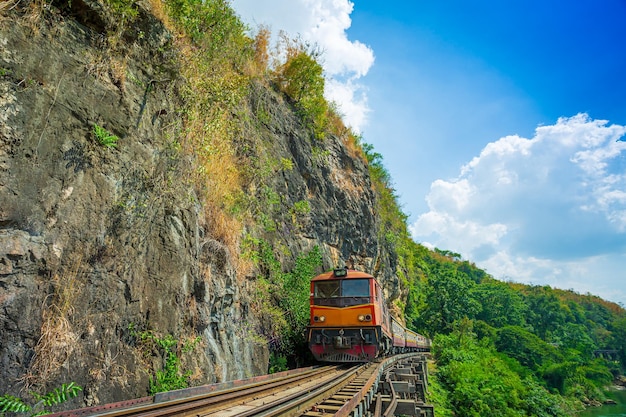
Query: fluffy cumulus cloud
[[550, 209], [323, 22]]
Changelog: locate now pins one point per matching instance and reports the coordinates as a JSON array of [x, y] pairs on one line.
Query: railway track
[[322, 391]]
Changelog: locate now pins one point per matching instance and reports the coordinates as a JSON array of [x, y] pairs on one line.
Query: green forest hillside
[[508, 349], [502, 348]]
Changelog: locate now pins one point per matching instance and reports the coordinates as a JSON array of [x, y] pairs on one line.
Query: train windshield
[[355, 288], [342, 292], [327, 289]]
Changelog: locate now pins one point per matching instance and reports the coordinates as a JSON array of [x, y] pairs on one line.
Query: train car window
[[355, 288], [327, 289]]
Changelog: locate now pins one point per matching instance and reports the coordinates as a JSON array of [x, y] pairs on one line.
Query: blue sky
[[501, 123]]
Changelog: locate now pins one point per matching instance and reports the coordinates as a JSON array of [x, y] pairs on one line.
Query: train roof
[[342, 273]]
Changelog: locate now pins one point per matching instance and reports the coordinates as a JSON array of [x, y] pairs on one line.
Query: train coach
[[350, 321]]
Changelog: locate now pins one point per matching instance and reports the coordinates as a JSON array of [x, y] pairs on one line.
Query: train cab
[[349, 319]]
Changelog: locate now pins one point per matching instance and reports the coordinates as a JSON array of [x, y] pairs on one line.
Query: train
[[350, 320]]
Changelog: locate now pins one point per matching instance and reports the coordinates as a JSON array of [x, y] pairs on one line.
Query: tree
[[545, 311], [619, 327], [526, 347], [501, 305], [301, 77], [448, 297]]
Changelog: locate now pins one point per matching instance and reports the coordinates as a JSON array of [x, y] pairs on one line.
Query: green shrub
[[301, 77], [171, 376], [278, 363]]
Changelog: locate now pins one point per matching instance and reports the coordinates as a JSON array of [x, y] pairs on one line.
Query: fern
[[104, 137], [11, 404], [59, 395]]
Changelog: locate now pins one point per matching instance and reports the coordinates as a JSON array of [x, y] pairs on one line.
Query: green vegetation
[[124, 9], [11, 404], [104, 137], [511, 349], [300, 76], [171, 376], [278, 363], [282, 300], [480, 382]]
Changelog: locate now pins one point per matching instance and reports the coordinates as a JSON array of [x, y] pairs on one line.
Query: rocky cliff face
[[100, 243]]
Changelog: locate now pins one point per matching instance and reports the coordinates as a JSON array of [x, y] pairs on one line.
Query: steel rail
[[327, 390], [297, 403], [205, 403], [181, 400], [364, 395]]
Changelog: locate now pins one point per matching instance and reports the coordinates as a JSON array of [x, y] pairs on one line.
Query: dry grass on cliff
[[217, 175], [215, 93], [58, 339], [6, 5]]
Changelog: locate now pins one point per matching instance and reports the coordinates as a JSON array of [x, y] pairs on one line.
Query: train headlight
[[365, 317], [319, 319]]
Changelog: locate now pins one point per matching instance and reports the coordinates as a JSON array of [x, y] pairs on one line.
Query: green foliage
[[171, 376], [481, 383], [620, 338], [546, 311], [104, 137], [526, 347], [492, 334], [301, 77], [59, 395], [446, 299], [124, 9], [278, 363], [215, 27], [11, 404], [300, 209], [286, 164], [282, 301], [500, 304], [294, 295]]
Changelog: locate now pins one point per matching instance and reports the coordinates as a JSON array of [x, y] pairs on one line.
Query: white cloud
[[450, 232], [550, 209], [323, 22], [450, 196], [352, 99]]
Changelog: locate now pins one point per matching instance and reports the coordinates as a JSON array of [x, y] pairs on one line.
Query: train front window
[[342, 293], [355, 288], [327, 289]]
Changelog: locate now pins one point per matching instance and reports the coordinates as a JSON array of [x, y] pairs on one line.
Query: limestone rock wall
[[99, 244]]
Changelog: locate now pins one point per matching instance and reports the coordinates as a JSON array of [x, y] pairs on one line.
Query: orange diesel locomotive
[[350, 322]]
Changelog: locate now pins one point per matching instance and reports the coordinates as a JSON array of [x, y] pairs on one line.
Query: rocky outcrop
[[334, 181], [101, 243], [98, 243]]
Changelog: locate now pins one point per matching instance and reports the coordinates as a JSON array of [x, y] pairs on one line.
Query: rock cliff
[[101, 243]]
